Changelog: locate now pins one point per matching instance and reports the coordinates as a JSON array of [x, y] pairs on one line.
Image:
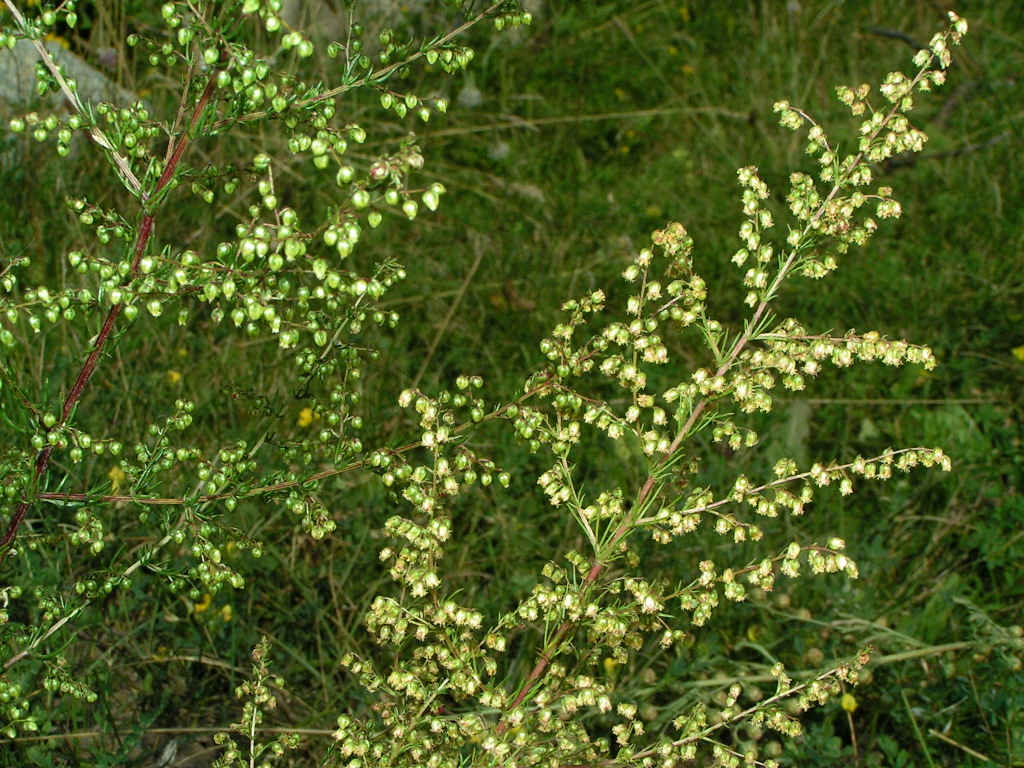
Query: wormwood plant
[[447, 682]]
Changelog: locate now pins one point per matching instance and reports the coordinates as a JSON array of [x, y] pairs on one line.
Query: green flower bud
[[345, 174], [360, 198]]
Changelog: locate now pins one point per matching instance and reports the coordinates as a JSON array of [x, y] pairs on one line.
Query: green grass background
[[598, 124]]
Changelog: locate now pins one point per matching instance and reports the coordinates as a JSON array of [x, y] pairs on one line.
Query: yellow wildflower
[[173, 377], [225, 613], [1018, 352], [610, 667], [62, 42], [848, 702], [305, 417], [203, 604], [117, 477]]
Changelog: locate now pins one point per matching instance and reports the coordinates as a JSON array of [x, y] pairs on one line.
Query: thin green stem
[[917, 730], [372, 77]]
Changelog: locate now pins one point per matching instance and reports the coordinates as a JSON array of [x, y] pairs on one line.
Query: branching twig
[[145, 233], [119, 160]]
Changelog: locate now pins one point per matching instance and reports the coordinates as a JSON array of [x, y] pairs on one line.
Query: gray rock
[[18, 80]]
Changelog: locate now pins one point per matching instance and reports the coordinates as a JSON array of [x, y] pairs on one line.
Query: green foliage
[[167, 504], [258, 695]]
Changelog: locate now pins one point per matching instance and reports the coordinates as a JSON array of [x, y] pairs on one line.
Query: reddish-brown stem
[[89, 366]]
